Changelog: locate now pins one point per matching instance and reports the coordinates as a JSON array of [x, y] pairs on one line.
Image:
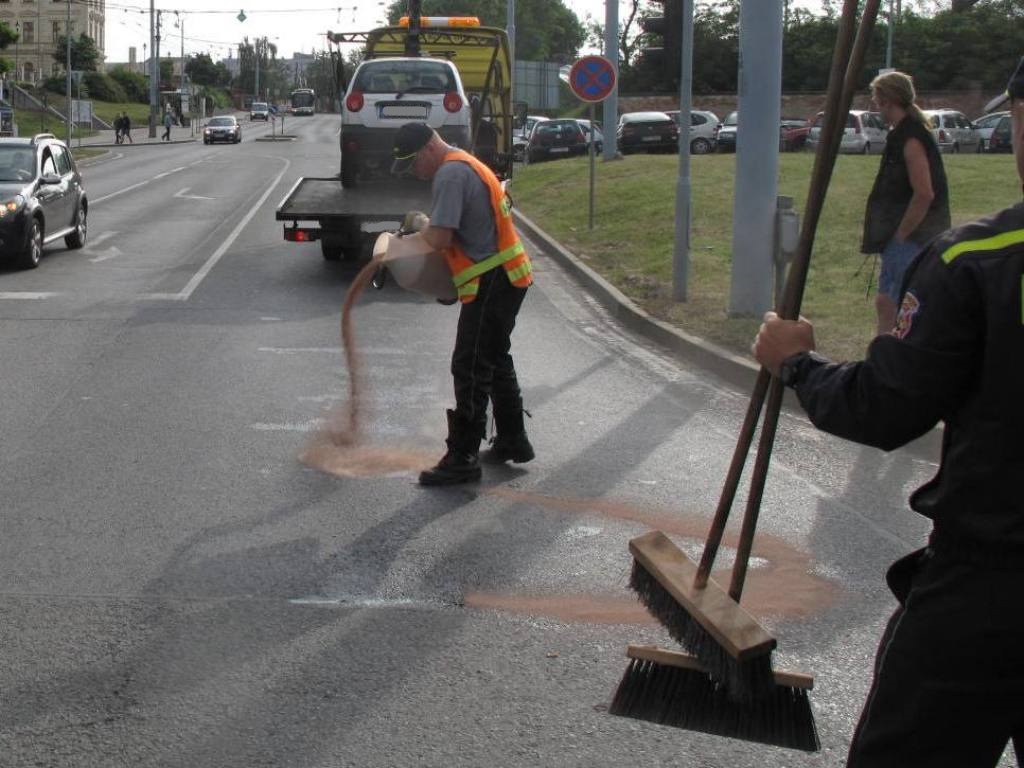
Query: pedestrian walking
[[126, 128], [909, 202], [118, 128], [949, 675], [471, 223], [168, 122]]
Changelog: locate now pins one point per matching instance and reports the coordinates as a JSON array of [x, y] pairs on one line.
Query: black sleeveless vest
[[891, 193]]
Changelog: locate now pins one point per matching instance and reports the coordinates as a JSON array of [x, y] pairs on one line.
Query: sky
[[297, 26]]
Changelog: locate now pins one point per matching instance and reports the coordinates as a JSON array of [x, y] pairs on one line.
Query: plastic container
[[415, 266]]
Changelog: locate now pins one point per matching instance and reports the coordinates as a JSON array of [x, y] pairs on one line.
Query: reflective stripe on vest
[[994, 243], [488, 264]]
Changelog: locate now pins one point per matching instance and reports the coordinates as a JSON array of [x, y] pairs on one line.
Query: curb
[[727, 365], [735, 370]]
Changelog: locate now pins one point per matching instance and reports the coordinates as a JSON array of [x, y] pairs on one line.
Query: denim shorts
[[896, 257]]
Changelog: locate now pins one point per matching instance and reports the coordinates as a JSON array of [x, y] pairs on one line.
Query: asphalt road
[[177, 588]]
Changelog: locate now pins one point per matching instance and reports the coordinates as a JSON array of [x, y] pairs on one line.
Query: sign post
[[592, 79]]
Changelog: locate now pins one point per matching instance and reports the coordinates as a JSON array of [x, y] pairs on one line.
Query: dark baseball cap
[[1014, 89], [410, 139]]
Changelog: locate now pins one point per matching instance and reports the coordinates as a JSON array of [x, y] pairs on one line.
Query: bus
[[303, 101]]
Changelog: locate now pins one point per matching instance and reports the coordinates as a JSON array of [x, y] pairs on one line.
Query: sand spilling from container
[[339, 448]]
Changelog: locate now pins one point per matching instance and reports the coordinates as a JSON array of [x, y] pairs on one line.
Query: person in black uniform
[[949, 674], [909, 201]]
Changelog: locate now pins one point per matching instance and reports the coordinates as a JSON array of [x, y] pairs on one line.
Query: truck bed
[[323, 199]]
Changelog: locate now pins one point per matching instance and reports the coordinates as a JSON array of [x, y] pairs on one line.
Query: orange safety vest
[[511, 254]]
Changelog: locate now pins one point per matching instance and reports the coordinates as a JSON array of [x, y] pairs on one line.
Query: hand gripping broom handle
[[797, 278], [824, 161]]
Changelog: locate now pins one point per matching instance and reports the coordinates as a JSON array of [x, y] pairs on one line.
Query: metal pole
[[256, 88], [681, 256], [592, 153], [67, 78], [888, 41], [154, 70], [510, 28], [757, 157], [611, 52]]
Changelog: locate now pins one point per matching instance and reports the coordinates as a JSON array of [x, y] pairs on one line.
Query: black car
[[647, 132], [222, 129], [41, 198], [555, 138], [1000, 140]]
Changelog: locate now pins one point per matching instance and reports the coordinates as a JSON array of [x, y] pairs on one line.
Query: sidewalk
[[139, 134]]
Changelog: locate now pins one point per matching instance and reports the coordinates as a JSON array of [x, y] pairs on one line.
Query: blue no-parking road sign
[[592, 78]]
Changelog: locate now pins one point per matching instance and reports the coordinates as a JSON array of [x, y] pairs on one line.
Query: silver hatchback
[[953, 132]]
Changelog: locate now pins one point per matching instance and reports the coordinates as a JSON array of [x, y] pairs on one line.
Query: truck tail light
[[301, 234], [452, 101], [354, 102]]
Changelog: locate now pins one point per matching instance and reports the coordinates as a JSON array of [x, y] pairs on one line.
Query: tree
[[201, 70], [7, 37], [546, 30], [135, 85], [85, 55]]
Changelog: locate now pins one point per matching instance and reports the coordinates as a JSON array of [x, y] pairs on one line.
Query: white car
[[704, 128], [865, 133], [984, 126], [387, 93], [598, 136], [952, 130], [259, 110]]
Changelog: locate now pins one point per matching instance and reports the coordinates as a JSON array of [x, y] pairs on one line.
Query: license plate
[[559, 149], [651, 138], [409, 112]]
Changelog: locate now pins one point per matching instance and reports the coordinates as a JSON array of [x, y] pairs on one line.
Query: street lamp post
[[17, 31], [67, 78]]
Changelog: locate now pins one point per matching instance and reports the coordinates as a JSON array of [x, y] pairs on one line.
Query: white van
[[259, 110], [864, 134]]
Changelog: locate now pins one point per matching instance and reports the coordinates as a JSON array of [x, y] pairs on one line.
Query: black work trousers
[[949, 674], [482, 364]]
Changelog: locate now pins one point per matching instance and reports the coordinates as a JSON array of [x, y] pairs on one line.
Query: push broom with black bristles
[[730, 652]]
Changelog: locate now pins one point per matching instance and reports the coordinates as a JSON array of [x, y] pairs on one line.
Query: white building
[[39, 23]]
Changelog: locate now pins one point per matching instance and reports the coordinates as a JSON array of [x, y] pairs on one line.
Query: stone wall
[[806, 105]]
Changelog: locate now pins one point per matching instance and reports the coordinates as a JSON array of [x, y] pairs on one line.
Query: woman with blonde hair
[[909, 202]]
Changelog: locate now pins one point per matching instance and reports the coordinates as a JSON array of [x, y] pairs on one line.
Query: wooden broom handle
[[797, 278], [819, 185]]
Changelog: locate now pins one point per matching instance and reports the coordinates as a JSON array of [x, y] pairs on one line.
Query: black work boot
[[510, 442], [460, 463]]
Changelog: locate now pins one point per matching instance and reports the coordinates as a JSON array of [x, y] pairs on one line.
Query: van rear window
[[386, 76]]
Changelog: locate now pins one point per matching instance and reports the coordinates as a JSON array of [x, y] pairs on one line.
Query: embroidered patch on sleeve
[[905, 317]]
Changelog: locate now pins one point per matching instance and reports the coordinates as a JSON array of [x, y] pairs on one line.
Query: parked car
[[1001, 140], [864, 134], [725, 141], [984, 126], [598, 135], [224, 128], [41, 198], [521, 137], [388, 92], [259, 110], [647, 132], [952, 130], [555, 138], [703, 130], [793, 134]]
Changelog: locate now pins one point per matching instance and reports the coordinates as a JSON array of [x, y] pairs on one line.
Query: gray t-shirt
[[461, 202]]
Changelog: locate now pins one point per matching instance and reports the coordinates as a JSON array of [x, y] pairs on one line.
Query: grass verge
[[631, 244]]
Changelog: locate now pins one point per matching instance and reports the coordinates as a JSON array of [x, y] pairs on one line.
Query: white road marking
[[300, 350], [185, 293], [111, 253], [165, 174], [183, 194], [99, 239], [28, 295], [302, 426]]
